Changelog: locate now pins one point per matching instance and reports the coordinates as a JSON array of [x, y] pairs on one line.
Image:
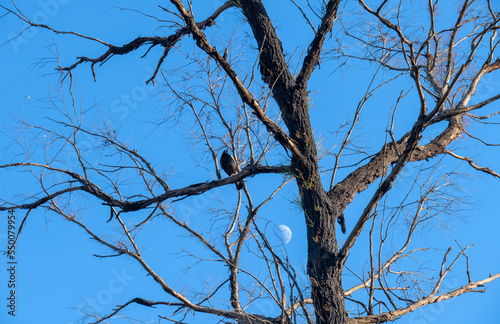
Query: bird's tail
[[239, 185]]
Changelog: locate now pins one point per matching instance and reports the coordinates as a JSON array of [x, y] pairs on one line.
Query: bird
[[341, 221], [230, 166]]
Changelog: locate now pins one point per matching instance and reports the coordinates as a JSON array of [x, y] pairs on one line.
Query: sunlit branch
[[390, 316], [472, 164]]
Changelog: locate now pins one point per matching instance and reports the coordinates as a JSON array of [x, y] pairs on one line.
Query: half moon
[[286, 232]]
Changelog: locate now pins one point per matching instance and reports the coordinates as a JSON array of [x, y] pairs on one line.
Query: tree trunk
[[324, 265]]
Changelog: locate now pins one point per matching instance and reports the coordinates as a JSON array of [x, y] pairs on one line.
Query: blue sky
[[58, 275]]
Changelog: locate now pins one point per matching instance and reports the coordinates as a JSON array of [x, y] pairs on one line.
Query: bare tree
[[437, 60]]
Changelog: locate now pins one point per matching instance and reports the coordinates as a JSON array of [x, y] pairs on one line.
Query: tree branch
[[472, 164], [314, 53], [42, 200], [166, 42], [390, 316], [128, 206], [139, 301], [245, 95]]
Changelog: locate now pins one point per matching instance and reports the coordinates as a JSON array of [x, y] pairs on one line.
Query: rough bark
[[324, 264], [344, 192]]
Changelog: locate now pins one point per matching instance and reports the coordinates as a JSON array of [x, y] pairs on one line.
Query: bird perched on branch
[[230, 166]]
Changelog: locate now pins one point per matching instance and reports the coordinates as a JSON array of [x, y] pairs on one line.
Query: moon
[[286, 232]]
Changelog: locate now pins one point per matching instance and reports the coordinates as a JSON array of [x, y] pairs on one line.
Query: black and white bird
[[230, 166]]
